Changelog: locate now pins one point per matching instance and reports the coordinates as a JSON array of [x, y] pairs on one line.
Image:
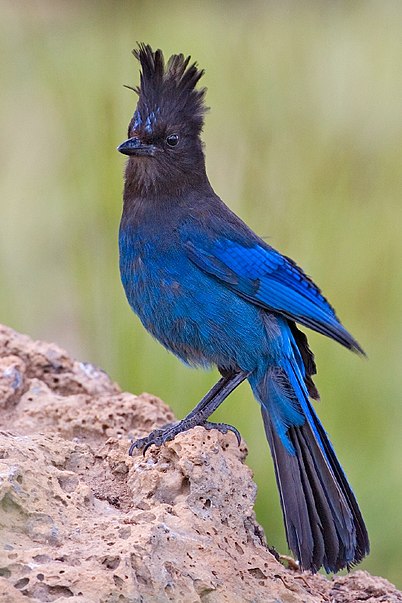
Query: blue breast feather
[[189, 312]]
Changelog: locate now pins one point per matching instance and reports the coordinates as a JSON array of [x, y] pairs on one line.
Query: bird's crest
[[167, 93]]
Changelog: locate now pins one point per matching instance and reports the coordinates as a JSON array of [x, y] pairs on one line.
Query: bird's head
[[164, 143]]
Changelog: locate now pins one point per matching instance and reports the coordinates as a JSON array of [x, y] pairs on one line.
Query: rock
[[82, 521]]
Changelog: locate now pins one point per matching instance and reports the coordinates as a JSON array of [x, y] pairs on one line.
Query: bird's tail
[[324, 526]]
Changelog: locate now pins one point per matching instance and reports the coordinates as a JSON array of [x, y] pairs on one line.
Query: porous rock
[[82, 521]]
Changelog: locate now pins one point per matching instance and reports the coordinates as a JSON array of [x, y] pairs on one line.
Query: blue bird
[[215, 294]]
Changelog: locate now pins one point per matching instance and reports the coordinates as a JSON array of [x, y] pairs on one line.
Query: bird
[[215, 294]]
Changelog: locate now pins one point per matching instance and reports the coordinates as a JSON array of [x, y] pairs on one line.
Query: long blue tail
[[324, 526]]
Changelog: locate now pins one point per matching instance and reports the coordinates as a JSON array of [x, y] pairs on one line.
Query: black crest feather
[[168, 91]]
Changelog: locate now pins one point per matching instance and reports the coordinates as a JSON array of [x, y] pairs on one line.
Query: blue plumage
[[262, 275], [214, 293]]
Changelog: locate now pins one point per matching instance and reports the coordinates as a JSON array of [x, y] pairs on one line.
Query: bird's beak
[[134, 146]]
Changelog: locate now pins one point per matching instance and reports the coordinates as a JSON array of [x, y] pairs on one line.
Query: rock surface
[[82, 521]]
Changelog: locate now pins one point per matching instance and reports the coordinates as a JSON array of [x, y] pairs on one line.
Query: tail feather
[[324, 526], [301, 520], [362, 542]]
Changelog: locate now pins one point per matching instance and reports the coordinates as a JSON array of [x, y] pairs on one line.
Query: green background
[[304, 141]]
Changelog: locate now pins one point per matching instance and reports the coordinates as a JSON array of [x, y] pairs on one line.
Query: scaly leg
[[198, 416]]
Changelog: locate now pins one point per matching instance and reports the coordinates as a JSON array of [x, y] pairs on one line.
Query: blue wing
[[268, 279]]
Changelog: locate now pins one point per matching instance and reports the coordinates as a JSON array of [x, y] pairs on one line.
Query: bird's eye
[[172, 140]]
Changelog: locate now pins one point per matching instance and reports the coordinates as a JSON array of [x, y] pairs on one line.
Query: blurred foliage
[[303, 141]]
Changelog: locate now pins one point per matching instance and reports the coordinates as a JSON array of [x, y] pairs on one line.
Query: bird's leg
[[198, 416]]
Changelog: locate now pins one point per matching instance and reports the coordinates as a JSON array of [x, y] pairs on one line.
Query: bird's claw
[[170, 431], [223, 428], [157, 437]]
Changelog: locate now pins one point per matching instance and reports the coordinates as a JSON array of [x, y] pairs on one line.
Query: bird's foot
[[223, 428], [171, 430], [157, 437]]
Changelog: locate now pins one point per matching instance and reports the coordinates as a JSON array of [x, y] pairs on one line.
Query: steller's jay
[[214, 293]]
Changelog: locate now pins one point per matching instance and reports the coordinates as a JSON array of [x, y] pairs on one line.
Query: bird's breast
[[189, 312], [159, 288]]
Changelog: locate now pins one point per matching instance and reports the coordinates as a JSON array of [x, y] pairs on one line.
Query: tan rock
[[82, 521]]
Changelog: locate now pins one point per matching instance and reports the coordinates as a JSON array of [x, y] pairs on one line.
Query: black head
[[164, 143]]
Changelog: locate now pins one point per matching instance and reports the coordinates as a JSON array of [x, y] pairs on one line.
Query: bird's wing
[[268, 279]]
